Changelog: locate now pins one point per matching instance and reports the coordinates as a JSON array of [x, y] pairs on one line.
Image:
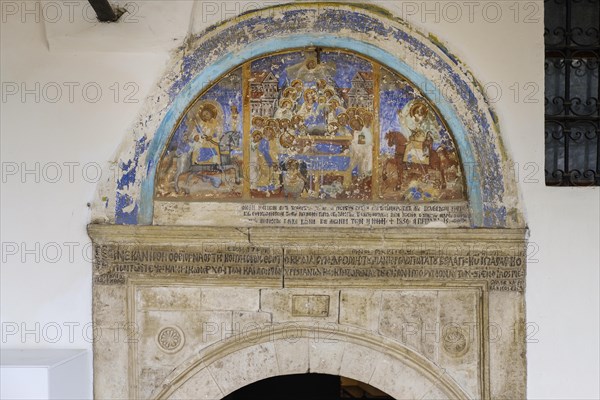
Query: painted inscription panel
[[315, 125]]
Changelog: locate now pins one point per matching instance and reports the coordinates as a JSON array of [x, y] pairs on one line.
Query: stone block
[[201, 386], [360, 308], [292, 356], [230, 298], [318, 305], [169, 297], [244, 367], [359, 362], [411, 317], [325, 356]]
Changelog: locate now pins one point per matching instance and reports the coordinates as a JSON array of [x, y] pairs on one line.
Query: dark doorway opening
[[307, 387]]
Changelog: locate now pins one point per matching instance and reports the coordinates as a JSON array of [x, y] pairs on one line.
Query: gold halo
[[289, 92], [258, 120], [343, 115], [256, 136], [285, 100], [418, 107], [356, 120], [286, 140], [211, 108]]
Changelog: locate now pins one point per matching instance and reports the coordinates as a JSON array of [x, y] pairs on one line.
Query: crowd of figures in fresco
[[326, 125]]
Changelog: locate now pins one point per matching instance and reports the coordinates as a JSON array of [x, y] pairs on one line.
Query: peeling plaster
[[492, 189]]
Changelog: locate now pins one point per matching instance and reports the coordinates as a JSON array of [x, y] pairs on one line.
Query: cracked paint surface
[[322, 125], [491, 187]]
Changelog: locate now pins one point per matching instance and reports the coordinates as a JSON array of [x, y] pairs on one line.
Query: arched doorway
[[293, 348], [308, 386]]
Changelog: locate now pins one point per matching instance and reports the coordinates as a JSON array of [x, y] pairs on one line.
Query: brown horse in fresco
[[439, 160], [398, 141]]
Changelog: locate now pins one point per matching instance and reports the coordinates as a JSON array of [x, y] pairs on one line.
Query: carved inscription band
[[502, 267]]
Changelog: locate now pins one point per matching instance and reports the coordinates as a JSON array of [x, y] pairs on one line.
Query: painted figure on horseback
[[417, 154]]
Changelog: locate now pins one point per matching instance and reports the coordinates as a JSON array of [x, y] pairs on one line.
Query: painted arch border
[[366, 31]]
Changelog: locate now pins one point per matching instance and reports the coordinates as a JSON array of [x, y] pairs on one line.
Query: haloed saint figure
[[204, 157]]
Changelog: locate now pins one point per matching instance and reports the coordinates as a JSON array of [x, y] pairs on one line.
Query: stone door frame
[[306, 263]]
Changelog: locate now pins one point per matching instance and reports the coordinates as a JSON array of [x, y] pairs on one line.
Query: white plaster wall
[[46, 296]]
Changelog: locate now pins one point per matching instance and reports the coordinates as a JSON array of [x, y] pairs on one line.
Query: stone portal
[[206, 311], [311, 189]]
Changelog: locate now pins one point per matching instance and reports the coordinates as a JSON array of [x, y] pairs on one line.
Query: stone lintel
[[293, 256]]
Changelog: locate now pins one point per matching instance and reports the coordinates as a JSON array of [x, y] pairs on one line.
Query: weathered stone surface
[[460, 337], [245, 320], [318, 305], [508, 336], [218, 299], [112, 335], [361, 370], [201, 386], [326, 354], [310, 305], [293, 356], [167, 297], [247, 366], [253, 326], [360, 308], [411, 317], [155, 359], [235, 293], [312, 257], [401, 381]]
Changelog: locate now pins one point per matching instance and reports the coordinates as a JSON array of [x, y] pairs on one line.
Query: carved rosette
[[170, 339], [455, 343]]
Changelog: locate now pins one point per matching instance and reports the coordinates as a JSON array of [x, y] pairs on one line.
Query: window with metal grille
[[571, 100]]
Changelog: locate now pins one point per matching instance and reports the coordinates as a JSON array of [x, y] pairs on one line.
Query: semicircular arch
[[491, 187], [296, 348]]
